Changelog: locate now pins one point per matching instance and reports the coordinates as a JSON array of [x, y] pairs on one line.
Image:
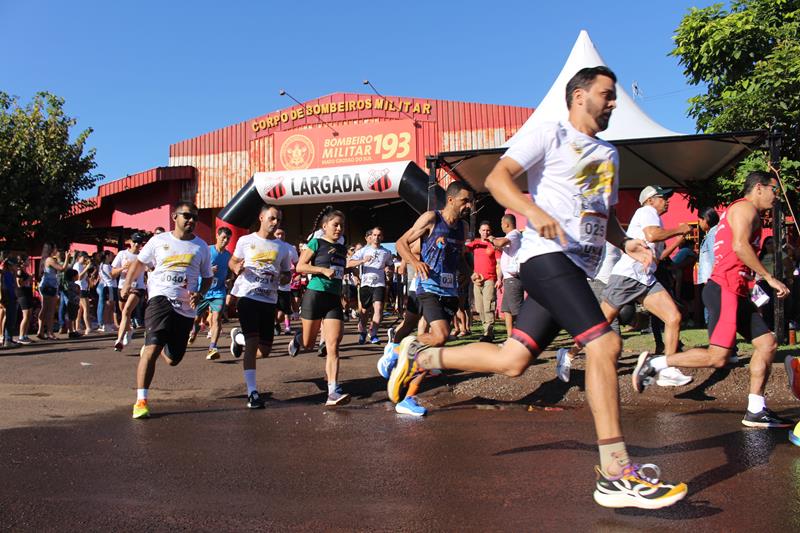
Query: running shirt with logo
[[509, 265], [264, 261], [293, 260], [572, 177], [331, 255], [219, 260], [126, 256], [105, 275], [372, 272], [729, 271], [176, 265], [628, 266], [441, 251], [83, 282]]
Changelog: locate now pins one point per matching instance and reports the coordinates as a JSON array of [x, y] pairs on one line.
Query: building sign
[[324, 110], [345, 184], [355, 144]]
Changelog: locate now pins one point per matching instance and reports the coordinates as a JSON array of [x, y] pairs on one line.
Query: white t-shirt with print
[[264, 260], [176, 265], [126, 256], [573, 178], [372, 272], [293, 258], [508, 259], [83, 282], [630, 267], [105, 275]]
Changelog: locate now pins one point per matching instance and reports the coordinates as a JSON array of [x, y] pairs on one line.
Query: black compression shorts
[[257, 318], [318, 305]]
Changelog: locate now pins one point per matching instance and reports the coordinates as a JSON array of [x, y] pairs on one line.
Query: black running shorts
[[257, 318], [318, 305], [559, 297], [435, 307], [412, 304], [368, 295], [285, 302], [166, 327]]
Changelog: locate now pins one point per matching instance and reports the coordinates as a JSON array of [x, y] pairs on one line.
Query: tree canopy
[[747, 57], [42, 171]]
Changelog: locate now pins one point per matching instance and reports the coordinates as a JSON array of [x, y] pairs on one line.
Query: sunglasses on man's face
[[188, 216]]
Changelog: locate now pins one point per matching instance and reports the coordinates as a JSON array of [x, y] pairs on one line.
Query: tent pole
[[777, 236], [433, 165]]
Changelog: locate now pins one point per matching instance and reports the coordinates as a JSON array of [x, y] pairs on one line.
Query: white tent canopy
[[649, 153]]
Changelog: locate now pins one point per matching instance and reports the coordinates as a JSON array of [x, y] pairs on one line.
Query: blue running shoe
[[387, 361], [374, 340], [409, 406]]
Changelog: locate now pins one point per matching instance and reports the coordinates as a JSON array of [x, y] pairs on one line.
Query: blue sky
[[149, 73]]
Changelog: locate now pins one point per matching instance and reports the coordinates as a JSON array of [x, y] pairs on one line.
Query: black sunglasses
[[187, 215]]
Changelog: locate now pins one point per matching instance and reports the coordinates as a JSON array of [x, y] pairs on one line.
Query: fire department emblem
[[297, 152]]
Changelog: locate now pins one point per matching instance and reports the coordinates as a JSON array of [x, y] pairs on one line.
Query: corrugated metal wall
[[225, 159]]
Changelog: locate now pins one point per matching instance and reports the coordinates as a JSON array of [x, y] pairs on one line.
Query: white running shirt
[[264, 260], [126, 256], [372, 272], [176, 265], [293, 258], [572, 177], [509, 265], [630, 267]]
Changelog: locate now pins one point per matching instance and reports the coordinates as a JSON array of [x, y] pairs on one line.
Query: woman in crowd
[[48, 288], [108, 294], [24, 291]]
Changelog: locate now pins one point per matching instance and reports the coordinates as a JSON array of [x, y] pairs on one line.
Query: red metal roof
[[143, 178]]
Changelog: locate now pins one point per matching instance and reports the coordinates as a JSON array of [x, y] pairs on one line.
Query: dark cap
[[138, 238]]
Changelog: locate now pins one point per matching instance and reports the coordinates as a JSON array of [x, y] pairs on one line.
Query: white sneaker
[[672, 377], [563, 365], [125, 339]]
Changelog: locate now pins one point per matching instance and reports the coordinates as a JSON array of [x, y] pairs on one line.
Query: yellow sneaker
[[794, 435], [213, 354], [405, 369], [140, 409]]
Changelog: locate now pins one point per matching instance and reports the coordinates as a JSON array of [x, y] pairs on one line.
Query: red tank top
[[729, 271]]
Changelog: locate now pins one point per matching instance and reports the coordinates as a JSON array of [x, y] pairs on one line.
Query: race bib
[[592, 238], [447, 280]]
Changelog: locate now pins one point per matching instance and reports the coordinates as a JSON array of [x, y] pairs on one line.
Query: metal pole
[[433, 165], [777, 237]]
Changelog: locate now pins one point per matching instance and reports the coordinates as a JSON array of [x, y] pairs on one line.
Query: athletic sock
[[212, 345], [756, 403], [141, 394], [613, 455], [239, 338], [659, 363], [435, 362], [250, 380], [331, 387]]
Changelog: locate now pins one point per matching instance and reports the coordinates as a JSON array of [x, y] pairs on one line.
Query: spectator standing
[[484, 278], [24, 293], [48, 287], [509, 267]]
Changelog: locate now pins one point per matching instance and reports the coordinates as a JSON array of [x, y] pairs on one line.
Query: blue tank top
[[49, 277], [441, 251]]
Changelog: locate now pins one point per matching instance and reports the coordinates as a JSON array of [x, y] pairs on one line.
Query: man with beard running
[[374, 261], [572, 179], [178, 259]]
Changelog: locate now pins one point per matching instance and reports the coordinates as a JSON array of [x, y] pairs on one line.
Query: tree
[[747, 56], [42, 171]]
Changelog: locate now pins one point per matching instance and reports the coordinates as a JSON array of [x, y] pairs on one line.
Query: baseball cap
[[650, 191], [138, 237]]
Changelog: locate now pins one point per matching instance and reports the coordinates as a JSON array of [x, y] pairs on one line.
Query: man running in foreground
[[730, 309], [178, 259], [572, 184]]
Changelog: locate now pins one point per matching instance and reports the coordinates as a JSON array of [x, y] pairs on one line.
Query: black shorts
[[85, 293], [318, 305], [729, 314], [24, 297], [285, 302], [166, 327], [412, 304], [559, 297], [72, 311], [257, 317], [368, 295], [435, 307], [48, 291], [297, 293], [110, 294]]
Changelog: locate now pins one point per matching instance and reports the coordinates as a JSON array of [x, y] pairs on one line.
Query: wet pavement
[[213, 465]]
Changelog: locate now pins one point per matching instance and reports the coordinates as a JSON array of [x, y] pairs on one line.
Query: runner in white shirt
[[630, 282], [262, 262], [572, 184], [374, 261], [509, 266], [120, 267], [178, 260], [285, 302]]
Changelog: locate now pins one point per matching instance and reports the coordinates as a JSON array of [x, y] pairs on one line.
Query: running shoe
[[409, 406], [563, 365], [118, 346], [25, 341], [374, 340], [765, 419], [140, 409], [294, 344], [387, 361], [792, 365], [322, 351], [633, 488], [794, 436], [213, 354], [236, 348], [643, 375], [277, 330], [405, 369], [390, 333], [255, 401], [672, 377], [126, 339], [337, 398], [362, 338], [193, 334]]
